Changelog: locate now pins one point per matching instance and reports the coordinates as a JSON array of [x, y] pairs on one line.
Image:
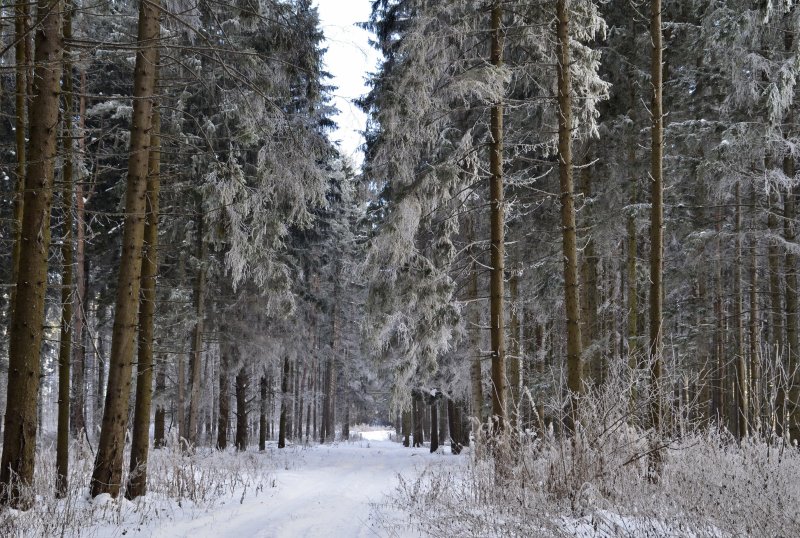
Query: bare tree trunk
[[496, 293], [589, 282], [197, 336], [569, 238], [792, 430], [262, 417], [741, 362], [242, 382], [284, 403], [181, 366], [161, 411], [19, 432], [434, 425], [656, 215], [476, 376], [107, 475], [406, 419], [419, 437], [65, 341], [776, 311], [140, 439], [755, 358], [515, 355], [21, 95], [719, 400], [78, 411], [224, 393]]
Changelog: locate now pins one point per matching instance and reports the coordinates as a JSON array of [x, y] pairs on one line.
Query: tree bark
[[742, 382], [406, 419], [569, 238], [284, 403], [755, 357], [419, 437], [497, 274], [159, 421], [197, 336], [140, 439], [776, 311], [589, 283], [434, 425], [19, 432], [792, 430], [224, 393], [78, 410], [476, 376], [21, 95], [242, 382], [262, 416], [515, 355], [107, 475], [65, 341]]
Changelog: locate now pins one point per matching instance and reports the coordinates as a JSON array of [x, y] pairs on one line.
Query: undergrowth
[[179, 484], [598, 482]]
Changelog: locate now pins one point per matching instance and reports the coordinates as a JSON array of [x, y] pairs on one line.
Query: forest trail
[[324, 491]]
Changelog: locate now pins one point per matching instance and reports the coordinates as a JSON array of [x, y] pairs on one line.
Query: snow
[[319, 491]]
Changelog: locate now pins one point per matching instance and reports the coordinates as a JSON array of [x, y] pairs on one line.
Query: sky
[[349, 59]]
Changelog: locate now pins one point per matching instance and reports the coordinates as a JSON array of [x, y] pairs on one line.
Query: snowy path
[[325, 492]]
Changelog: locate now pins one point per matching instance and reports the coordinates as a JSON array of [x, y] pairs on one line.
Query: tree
[[569, 232], [107, 474], [140, 444], [19, 432], [496, 315]]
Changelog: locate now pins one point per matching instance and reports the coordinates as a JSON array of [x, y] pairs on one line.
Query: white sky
[[349, 59]]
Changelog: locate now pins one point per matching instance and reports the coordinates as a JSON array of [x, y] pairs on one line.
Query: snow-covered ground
[[320, 491]]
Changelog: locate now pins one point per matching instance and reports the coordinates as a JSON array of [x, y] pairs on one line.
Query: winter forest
[[558, 298]]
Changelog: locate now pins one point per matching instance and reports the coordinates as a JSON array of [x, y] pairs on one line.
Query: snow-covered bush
[[597, 483], [180, 485]]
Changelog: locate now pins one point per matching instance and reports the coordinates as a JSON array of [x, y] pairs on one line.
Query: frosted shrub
[[179, 484], [596, 483]]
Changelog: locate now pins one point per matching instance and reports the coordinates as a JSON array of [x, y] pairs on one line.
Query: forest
[[565, 276]]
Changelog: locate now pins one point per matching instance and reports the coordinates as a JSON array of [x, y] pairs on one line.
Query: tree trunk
[[224, 393], [107, 475], [434, 425], [589, 283], [738, 297], [19, 433], [161, 411], [515, 355], [20, 105], [454, 425], [656, 225], [65, 341], [242, 382], [262, 416], [78, 411], [419, 438], [406, 419], [569, 238], [476, 375], [140, 439], [776, 312], [284, 403], [197, 336], [755, 358], [496, 293], [792, 430], [181, 366]]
